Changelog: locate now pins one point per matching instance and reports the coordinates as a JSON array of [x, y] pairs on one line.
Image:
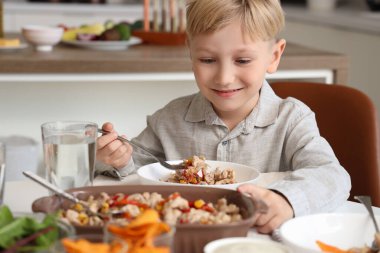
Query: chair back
[[347, 118]]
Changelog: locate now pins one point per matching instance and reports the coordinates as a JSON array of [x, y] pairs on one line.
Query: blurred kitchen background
[[347, 27]]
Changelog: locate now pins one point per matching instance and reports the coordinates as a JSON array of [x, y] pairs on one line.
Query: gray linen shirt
[[278, 135]]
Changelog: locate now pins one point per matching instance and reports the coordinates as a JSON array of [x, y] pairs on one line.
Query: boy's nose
[[225, 75]]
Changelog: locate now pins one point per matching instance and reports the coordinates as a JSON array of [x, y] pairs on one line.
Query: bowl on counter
[[157, 174], [188, 238], [344, 230], [42, 37]]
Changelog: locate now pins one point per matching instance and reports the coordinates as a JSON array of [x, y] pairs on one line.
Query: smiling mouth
[[228, 91]]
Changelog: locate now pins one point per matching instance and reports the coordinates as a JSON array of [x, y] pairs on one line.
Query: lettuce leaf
[[6, 216], [12, 230]]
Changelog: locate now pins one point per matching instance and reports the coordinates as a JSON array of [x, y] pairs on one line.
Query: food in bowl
[[340, 230], [173, 209], [146, 233], [196, 171], [29, 233], [365, 249], [155, 173], [189, 237]]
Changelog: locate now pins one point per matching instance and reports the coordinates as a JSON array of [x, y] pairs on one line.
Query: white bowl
[[155, 173], [345, 230], [42, 37], [245, 244]]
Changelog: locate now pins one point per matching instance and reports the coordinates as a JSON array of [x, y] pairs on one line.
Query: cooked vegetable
[[138, 235], [328, 248], [26, 233]]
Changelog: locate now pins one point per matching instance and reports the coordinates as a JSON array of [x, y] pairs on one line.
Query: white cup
[[69, 152]]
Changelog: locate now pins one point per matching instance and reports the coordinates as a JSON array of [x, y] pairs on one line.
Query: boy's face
[[230, 68]]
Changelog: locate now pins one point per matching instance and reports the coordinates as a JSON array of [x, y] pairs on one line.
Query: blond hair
[[260, 19]]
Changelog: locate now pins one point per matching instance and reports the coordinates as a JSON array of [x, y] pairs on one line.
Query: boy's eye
[[243, 61], [207, 60]]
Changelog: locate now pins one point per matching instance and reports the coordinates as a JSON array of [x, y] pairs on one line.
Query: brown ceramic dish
[[189, 238], [161, 38]]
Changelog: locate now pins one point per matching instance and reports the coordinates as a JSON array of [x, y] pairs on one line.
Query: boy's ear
[[277, 50]]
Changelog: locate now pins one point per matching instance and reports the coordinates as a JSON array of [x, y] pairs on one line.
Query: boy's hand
[[279, 210], [110, 150]]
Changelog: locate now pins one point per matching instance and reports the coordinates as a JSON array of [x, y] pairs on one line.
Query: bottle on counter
[[1, 20]]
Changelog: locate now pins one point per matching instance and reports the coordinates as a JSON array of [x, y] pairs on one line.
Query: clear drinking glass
[[69, 152], [2, 172]]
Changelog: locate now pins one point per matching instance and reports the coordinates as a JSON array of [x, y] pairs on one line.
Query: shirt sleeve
[[317, 183], [107, 170]]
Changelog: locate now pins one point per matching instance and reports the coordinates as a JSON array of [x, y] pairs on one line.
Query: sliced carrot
[[84, 246], [329, 248], [149, 216]]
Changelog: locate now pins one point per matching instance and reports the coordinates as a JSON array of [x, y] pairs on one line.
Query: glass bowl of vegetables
[[28, 232]]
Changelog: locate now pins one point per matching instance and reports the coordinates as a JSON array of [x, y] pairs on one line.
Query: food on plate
[[109, 31], [9, 42], [196, 172], [173, 209], [332, 249], [72, 33], [26, 233], [121, 31], [136, 236]]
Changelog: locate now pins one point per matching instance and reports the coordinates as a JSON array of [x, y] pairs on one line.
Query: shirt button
[[224, 143]]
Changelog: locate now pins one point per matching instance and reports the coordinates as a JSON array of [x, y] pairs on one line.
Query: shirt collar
[[264, 114]]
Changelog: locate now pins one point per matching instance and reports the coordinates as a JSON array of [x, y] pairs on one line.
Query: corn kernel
[[105, 208], [83, 218], [199, 203], [78, 207]]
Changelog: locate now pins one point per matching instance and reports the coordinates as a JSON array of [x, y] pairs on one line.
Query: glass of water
[[69, 152], [2, 171]]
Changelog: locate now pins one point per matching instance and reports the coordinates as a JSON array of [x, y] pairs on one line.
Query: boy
[[237, 117]]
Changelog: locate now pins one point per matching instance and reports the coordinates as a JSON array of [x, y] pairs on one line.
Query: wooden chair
[[347, 119]]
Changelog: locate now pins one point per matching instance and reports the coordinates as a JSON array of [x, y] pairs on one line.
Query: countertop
[[149, 58]]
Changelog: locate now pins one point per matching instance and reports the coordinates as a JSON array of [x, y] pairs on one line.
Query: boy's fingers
[[105, 140], [255, 191], [108, 127], [270, 226]]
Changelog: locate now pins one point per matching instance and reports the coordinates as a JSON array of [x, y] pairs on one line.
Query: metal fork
[[43, 182], [366, 201], [160, 160]]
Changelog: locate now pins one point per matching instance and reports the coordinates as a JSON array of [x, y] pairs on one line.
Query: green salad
[[26, 234]]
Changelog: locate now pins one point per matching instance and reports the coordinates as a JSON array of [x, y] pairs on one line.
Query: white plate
[[13, 48], [155, 173], [104, 45], [344, 231]]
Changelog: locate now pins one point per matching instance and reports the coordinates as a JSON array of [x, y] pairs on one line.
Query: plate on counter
[[13, 48], [104, 45]]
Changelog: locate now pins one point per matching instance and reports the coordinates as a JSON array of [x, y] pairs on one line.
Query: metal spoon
[[43, 182], [366, 201], [160, 160]]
